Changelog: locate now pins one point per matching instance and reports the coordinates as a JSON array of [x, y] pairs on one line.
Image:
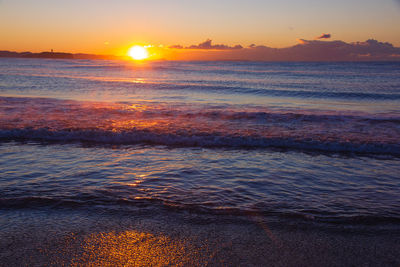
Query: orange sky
[[111, 27]]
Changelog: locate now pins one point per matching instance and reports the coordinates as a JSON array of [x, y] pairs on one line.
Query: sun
[[138, 52]]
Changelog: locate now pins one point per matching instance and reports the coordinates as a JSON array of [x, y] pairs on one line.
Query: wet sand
[[82, 238]]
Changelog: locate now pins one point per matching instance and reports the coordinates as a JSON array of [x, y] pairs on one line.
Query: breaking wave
[[198, 126]]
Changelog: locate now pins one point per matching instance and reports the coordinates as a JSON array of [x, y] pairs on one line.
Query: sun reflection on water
[[133, 248]]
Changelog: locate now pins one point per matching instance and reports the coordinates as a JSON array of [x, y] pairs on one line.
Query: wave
[[170, 124], [150, 205], [209, 140], [289, 88]]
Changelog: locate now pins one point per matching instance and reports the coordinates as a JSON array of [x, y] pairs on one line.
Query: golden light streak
[[133, 248]]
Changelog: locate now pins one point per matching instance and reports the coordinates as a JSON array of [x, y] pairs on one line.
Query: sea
[[294, 144]]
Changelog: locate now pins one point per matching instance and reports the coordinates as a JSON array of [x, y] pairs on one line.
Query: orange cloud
[[302, 41]]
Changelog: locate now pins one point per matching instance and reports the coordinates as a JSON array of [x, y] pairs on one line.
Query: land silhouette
[[55, 55]]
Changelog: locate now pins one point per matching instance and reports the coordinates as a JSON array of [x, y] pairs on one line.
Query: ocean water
[[310, 142]]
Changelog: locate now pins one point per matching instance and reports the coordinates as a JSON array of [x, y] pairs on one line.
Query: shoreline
[[70, 237]]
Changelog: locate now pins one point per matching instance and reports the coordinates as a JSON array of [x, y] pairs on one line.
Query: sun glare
[[138, 52]]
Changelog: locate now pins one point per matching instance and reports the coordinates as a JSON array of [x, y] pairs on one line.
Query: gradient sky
[[109, 27]]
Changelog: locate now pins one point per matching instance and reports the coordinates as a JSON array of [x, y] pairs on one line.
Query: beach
[[65, 238]]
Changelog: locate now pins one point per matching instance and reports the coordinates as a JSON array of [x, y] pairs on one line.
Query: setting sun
[[138, 52]]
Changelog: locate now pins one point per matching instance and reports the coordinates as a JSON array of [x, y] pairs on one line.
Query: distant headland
[[55, 55]]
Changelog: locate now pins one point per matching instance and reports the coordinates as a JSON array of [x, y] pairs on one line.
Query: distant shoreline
[[55, 55]]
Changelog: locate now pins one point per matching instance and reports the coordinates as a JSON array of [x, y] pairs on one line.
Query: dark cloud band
[[208, 45], [324, 36]]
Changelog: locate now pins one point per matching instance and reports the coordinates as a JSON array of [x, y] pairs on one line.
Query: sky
[[111, 27]]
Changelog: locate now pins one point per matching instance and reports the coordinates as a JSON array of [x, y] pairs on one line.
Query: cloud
[[324, 36], [302, 41], [305, 50], [176, 46], [207, 45]]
